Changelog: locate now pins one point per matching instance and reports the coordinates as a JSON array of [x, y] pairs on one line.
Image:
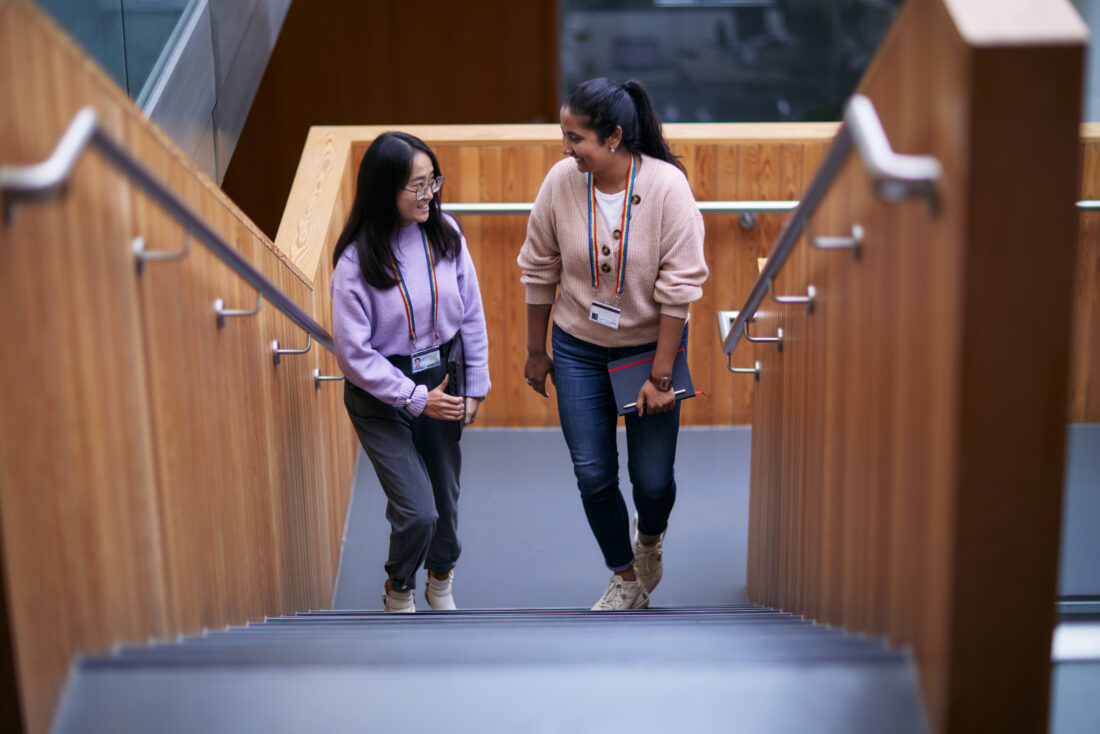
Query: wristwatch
[[664, 384]]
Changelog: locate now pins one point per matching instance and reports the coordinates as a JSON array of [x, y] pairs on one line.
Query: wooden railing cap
[[1017, 22]]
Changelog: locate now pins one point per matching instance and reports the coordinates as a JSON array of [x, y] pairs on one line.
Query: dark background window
[[727, 60]]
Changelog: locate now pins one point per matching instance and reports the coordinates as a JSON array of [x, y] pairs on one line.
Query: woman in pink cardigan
[[615, 246]]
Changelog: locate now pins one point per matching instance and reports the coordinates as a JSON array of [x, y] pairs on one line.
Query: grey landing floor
[[525, 540]]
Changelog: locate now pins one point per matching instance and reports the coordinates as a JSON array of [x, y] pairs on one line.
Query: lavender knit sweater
[[665, 265], [370, 325]]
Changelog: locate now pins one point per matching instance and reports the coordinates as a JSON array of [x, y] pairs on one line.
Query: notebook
[[628, 374], [456, 370]]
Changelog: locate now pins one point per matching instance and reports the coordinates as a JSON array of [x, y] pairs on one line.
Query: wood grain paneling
[[507, 163], [340, 62], [898, 457], [1084, 400], [158, 475], [725, 162]]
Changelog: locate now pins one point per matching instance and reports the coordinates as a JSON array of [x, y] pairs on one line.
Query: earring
[[612, 148]]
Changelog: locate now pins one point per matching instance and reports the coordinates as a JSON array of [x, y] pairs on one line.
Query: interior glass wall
[[127, 37]]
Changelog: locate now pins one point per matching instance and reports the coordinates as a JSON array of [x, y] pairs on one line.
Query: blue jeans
[[586, 407]]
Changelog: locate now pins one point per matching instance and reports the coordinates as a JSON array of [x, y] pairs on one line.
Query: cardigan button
[[606, 268], [606, 250], [616, 234], [635, 199]]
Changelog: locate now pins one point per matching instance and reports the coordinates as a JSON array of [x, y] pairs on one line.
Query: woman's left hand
[[472, 404], [651, 400]]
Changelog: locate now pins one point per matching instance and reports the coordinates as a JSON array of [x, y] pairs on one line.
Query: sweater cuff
[[418, 401], [675, 310], [477, 382], [541, 295]]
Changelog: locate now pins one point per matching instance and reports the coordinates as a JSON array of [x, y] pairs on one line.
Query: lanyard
[[624, 230], [407, 299]]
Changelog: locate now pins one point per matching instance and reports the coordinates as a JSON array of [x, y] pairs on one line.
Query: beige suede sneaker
[[621, 594]]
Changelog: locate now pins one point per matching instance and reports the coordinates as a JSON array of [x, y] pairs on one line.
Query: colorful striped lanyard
[[593, 252], [407, 299]]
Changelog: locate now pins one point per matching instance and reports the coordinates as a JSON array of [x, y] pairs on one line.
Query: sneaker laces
[[613, 594]]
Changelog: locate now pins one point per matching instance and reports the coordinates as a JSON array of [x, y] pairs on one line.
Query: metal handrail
[[895, 177], [479, 208], [706, 207], [42, 180], [792, 230]]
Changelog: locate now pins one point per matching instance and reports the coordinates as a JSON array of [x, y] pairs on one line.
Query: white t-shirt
[[611, 208]]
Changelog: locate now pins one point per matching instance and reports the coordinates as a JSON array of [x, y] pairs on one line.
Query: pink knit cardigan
[[665, 265]]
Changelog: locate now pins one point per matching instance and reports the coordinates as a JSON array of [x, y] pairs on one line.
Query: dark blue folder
[[628, 374]]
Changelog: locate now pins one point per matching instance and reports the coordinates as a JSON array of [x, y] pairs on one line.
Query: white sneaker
[[398, 601], [622, 594], [647, 559], [440, 594]]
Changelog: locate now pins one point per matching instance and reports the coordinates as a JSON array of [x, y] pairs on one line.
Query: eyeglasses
[[433, 185]]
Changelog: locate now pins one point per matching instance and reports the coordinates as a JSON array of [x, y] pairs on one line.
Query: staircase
[[727, 668]]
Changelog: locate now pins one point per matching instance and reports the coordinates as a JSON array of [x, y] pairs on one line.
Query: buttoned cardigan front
[[665, 264]]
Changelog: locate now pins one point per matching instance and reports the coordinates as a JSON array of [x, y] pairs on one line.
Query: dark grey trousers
[[418, 461]]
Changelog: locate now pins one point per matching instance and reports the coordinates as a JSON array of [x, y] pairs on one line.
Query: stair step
[[717, 636], [505, 671], [787, 699]]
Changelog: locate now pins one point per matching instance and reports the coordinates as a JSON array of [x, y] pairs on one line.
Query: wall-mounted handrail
[[792, 230], [895, 176], [479, 208], [706, 207], [42, 180]]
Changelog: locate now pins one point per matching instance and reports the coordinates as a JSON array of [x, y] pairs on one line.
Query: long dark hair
[[607, 104], [383, 172]]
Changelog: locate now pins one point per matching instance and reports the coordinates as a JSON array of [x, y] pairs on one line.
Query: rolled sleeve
[[683, 267], [540, 256], [475, 336]]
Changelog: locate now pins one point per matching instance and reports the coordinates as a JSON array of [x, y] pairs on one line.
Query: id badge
[[605, 314], [425, 359]]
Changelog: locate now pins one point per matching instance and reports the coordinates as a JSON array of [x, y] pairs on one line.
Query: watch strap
[[664, 384]]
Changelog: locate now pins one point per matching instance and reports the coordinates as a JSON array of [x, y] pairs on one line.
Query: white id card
[[425, 359], [605, 314]]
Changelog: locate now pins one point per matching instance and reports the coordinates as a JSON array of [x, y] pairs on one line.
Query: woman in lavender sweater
[[615, 246], [403, 286]]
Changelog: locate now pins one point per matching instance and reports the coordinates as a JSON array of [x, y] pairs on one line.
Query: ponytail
[[651, 137], [607, 104]]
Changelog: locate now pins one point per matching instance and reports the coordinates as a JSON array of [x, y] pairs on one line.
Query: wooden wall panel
[[158, 475], [73, 421], [508, 163], [725, 162], [897, 458], [1085, 364], [343, 62]]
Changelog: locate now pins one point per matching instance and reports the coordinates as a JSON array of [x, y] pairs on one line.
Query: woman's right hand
[[535, 371], [442, 406]]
